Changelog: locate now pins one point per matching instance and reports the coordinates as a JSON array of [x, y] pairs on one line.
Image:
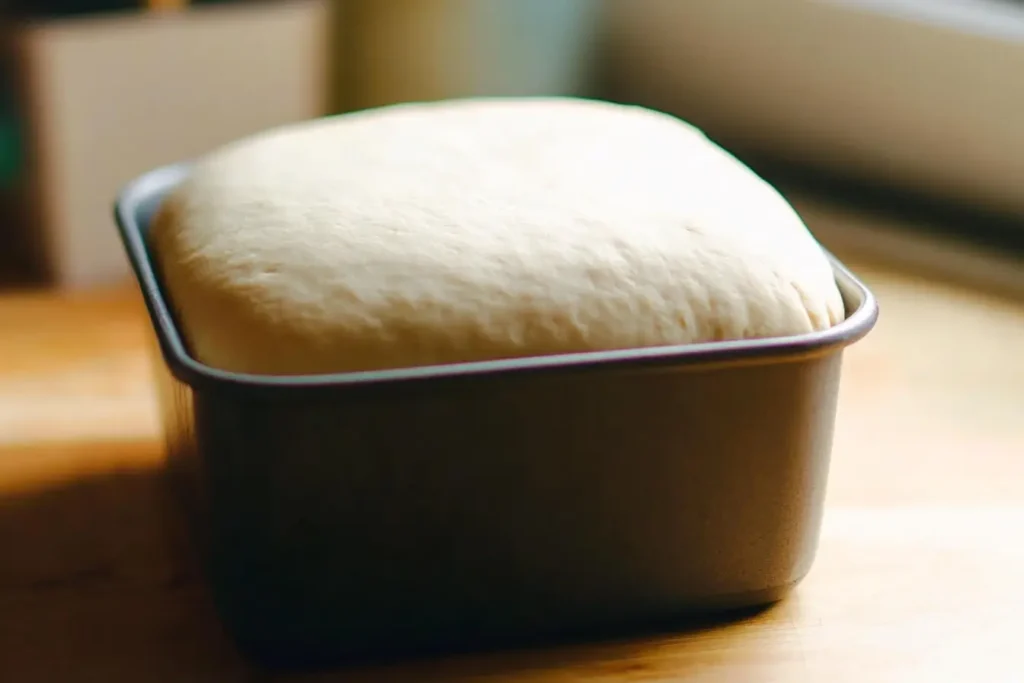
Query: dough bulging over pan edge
[[469, 230]]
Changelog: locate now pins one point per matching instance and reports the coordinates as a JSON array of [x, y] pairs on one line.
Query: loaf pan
[[434, 509]]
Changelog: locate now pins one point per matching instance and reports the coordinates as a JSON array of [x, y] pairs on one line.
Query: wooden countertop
[[920, 574]]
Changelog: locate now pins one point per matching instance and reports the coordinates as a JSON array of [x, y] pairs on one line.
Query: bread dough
[[434, 233]]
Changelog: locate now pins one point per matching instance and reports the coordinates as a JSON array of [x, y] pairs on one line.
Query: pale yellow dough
[[480, 229]]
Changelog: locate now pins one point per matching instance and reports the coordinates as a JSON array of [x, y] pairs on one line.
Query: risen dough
[[480, 229]]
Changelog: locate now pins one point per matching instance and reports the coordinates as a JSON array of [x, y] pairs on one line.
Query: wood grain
[[918, 578]]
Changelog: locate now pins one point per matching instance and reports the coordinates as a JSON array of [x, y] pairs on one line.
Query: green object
[[10, 147]]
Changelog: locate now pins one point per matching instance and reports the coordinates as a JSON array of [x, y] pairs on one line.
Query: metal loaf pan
[[489, 504]]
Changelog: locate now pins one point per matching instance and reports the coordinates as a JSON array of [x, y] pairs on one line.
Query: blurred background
[[895, 126]]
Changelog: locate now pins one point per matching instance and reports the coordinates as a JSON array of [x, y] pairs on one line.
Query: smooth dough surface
[[470, 230]]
